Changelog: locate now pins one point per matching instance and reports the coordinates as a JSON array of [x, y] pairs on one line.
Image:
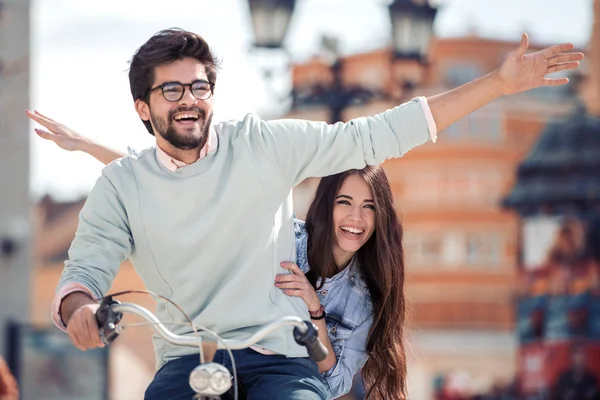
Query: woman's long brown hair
[[381, 263]]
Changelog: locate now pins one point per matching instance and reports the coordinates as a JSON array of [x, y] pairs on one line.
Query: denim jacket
[[349, 317]]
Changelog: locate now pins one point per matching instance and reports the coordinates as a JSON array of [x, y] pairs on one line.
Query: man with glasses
[[206, 215]]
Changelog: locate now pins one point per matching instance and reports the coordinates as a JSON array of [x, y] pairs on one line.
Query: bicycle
[[208, 380]]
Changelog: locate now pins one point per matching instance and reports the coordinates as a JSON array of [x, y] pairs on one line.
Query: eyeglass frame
[[162, 88]]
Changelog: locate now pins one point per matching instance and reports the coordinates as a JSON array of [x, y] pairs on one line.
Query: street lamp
[[270, 19], [412, 29]]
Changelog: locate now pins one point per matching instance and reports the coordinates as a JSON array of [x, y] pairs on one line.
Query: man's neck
[[185, 156]]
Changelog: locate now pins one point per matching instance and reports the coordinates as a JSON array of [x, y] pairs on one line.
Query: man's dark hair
[[165, 47]]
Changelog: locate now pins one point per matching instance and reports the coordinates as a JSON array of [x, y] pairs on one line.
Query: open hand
[[296, 284], [63, 136], [521, 72]]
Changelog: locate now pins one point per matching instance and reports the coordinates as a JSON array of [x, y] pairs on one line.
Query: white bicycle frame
[[207, 379]]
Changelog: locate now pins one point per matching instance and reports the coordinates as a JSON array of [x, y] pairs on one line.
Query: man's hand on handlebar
[[79, 314], [83, 328]]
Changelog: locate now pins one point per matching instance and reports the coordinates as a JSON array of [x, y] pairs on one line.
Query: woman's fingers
[[43, 116], [294, 292], [295, 284], [45, 134], [292, 267], [291, 285], [293, 288], [42, 120], [289, 278]]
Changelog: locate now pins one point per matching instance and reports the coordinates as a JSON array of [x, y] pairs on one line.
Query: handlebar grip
[[310, 339], [317, 350], [107, 320]]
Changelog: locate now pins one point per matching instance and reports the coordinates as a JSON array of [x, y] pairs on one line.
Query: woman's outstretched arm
[[69, 140]]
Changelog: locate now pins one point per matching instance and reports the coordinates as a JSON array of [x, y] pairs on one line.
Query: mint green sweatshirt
[[210, 236]]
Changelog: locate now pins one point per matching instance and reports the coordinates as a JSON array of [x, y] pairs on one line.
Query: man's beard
[[188, 141]]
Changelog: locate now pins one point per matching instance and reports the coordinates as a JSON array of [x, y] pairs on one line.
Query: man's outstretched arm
[[302, 149], [519, 72]]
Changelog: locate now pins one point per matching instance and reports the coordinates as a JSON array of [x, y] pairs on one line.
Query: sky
[[80, 51]]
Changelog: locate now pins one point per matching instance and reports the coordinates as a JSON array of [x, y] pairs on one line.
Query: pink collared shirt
[[429, 118], [173, 164]]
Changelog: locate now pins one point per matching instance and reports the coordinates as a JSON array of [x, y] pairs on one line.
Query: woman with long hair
[[351, 251], [349, 272]]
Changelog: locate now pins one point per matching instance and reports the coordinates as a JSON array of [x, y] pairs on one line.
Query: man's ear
[[143, 109]]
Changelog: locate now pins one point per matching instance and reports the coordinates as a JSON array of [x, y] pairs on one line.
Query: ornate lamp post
[[270, 20], [412, 29]]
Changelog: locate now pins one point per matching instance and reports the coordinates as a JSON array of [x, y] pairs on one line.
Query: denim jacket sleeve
[[339, 378], [301, 245]]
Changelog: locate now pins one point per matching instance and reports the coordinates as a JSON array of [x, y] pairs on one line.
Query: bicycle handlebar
[[111, 311]]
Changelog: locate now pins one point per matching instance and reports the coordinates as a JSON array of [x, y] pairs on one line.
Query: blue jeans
[[262, 376]]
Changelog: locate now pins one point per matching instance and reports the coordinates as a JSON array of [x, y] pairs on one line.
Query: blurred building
[[461, 246], [557, 195]]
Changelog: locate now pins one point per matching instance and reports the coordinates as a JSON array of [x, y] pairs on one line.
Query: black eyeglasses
[[173, 91]]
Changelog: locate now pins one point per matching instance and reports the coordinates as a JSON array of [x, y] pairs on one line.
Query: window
[[483, 249], [476, 184], [452, 254], [431, 247], [459, 73], [483, 126], [454, 249], [422, 249]]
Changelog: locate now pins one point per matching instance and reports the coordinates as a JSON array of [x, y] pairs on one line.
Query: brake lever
[[107, 320]]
